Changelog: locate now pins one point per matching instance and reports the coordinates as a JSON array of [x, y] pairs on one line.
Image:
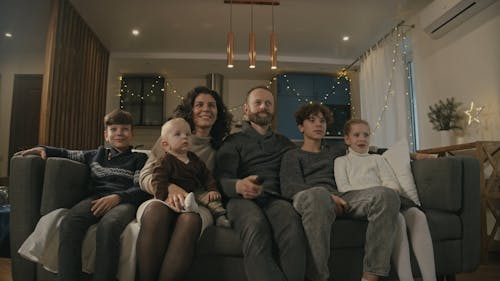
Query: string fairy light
[[343, 73], [398, 55], [168, 90], [127, 94], [301, 98]]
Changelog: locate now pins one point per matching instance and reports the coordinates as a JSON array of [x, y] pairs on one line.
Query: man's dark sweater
[[249, 153], [301, 170], [111, 171]]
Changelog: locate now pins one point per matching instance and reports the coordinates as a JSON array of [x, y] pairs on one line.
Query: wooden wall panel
[[74, 91]]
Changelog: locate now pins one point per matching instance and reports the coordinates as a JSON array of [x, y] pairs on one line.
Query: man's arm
[[227, 161]]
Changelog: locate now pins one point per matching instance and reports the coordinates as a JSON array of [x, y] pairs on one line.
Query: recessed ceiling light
[[345, 38], [135, 32], [8, 34]]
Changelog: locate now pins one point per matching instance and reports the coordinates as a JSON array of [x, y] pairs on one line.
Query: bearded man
[[248, 169]]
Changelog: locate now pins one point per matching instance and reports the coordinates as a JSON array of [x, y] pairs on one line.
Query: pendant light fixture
[[251, 37], [230, 39], [251, 42], [273, 47]]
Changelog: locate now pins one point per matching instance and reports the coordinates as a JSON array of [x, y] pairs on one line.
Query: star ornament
[[473, 113]]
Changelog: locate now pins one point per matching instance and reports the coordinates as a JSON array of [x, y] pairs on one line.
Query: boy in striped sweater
[[112, 200]]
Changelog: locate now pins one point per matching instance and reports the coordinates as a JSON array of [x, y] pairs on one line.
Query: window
[[341, 114], [142, 96], [295, 89]]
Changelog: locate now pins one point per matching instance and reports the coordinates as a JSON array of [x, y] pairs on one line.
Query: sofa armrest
[[25, 192], [439, 183], [471, 214], [65, 184], [452, 184]]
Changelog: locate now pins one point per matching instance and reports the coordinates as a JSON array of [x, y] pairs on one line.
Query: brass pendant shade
[[274, 50], [252, 53], [251, 50], [230, 49]]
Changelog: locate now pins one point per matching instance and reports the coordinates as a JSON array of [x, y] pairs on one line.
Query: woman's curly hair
[[222, 125]]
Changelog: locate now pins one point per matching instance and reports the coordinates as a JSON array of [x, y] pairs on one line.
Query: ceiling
[[182, 38]]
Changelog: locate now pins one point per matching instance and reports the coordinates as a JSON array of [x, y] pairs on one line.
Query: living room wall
[[465, 64], [10, 64], [234, 92]]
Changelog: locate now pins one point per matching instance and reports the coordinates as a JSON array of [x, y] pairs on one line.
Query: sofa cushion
[[398, 157], [224, 241], [354, 237], [219, 241]]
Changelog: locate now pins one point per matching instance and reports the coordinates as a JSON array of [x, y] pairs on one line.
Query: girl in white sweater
[[360, 170]]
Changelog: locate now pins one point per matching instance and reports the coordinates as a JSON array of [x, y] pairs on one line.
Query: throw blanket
[[43, 244]]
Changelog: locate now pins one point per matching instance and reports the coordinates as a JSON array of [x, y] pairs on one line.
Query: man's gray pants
[[274, 245]]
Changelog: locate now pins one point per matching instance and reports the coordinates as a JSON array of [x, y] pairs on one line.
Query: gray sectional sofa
[[448, 189]]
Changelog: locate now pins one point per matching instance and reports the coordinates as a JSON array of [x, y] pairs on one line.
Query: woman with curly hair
[[167, 238]]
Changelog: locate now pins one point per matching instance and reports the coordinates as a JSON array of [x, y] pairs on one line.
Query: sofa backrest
[[65, 184], [444, 173]]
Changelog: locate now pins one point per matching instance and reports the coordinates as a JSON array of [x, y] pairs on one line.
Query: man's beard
[[261, 120]]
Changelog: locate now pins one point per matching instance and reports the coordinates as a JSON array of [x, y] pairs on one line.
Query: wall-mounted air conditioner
[[441, 16]]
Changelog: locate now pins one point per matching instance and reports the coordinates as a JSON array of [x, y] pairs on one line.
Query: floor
[[5, 269], [485, 272]]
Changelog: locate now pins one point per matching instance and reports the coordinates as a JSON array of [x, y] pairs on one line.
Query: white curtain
[[384, 97]]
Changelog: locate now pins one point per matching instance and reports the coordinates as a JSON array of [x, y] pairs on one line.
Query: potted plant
[[444, 117]]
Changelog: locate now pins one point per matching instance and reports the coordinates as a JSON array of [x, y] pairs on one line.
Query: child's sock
[[222, 221], [190, 205]]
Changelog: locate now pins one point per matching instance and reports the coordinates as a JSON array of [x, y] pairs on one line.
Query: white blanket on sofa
[[43, 244]]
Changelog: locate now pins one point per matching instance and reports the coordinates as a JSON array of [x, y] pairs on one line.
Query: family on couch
[[284, 229]]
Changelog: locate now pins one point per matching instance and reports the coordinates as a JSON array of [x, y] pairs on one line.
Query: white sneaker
[[190, 205]]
